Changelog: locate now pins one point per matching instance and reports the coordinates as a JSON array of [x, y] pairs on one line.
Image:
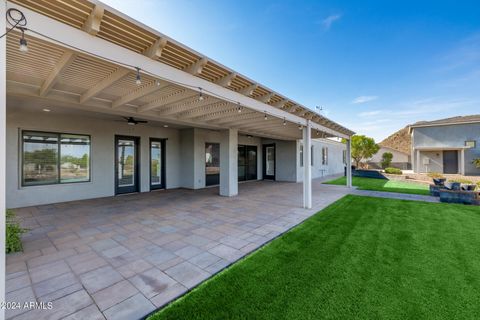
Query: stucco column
[[348, 161], [3, 131], [229, 163], [462, 162], [307, 166], [417, 161]]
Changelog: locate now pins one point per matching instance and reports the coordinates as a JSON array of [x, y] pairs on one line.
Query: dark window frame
[[59, 157], [474, 143], [163, 184], [325, 156]]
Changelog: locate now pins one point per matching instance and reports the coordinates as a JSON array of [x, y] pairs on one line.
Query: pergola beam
[[164, 101], [197, 67], [139, 93], [280, 104], [65, 60], [211, 108], [266, 98], [226, 81], [248, 91], [94, 20], [156, 49], [105, 83], [189, 104]]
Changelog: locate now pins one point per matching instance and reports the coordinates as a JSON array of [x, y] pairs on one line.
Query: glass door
[[157, 164], [126, 164], [247, 163], [269, 161], [212, 164]]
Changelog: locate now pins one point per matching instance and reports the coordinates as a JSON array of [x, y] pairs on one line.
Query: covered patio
[[123, 257], [87, 78]]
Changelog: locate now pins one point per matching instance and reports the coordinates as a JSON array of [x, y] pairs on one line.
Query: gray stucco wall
[[334, 164], [185, 156], [102, 134], [452, 136], [285, 159]]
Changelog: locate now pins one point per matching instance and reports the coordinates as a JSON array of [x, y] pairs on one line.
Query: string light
[[318, 133], [138, 80], [23, 42], [158, 83], [284, 122], [239, 109], [20, 23], [200, 96]]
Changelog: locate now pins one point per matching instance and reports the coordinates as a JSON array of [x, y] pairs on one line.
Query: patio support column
[[307, 166], [229, 163], [348, 161], [462, 162], [3, 131], [417, 161]]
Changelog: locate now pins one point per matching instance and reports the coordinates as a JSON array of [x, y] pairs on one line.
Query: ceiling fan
[[131, 121]]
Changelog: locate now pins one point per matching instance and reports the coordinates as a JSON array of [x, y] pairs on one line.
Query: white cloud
[[370, 113], [364, 99], [328, 21]]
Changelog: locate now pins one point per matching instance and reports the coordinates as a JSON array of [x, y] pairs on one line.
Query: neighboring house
[[400, 159], [207, 124], [446, 145]]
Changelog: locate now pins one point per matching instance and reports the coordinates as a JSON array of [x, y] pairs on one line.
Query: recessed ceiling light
[[46, 110], [165, 125]]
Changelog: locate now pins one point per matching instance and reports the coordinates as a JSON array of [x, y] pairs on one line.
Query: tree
[[362, 148], [386, 159], [476, 162]]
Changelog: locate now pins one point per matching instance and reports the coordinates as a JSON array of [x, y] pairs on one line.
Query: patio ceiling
[[77, 79]]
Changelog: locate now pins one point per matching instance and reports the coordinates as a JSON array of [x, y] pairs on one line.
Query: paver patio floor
[[123, 257]]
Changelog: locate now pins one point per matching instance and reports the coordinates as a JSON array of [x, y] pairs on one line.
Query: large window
[[325, 156], [49, 158], [311, 155]]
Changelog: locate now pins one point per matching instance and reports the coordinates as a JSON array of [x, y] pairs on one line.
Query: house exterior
[[96, 104], [447, 145], [400, 160], [99, 104]]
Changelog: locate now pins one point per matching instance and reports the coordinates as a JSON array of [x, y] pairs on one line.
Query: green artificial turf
[[384, 185], [360, 258]]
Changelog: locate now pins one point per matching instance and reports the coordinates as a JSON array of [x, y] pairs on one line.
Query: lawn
[[360, 258], [384, 185]]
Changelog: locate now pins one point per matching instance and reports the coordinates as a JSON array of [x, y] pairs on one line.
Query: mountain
[[399, 140]]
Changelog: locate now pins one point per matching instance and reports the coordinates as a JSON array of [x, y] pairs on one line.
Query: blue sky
[[374, 66]]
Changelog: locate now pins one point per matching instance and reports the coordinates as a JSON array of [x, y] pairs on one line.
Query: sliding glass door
[[157, 163], [247, 163]]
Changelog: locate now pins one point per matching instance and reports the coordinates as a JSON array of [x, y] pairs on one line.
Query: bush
[[13, 233], [476, 162], [386, 159], [435, 175], [393, 171]]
